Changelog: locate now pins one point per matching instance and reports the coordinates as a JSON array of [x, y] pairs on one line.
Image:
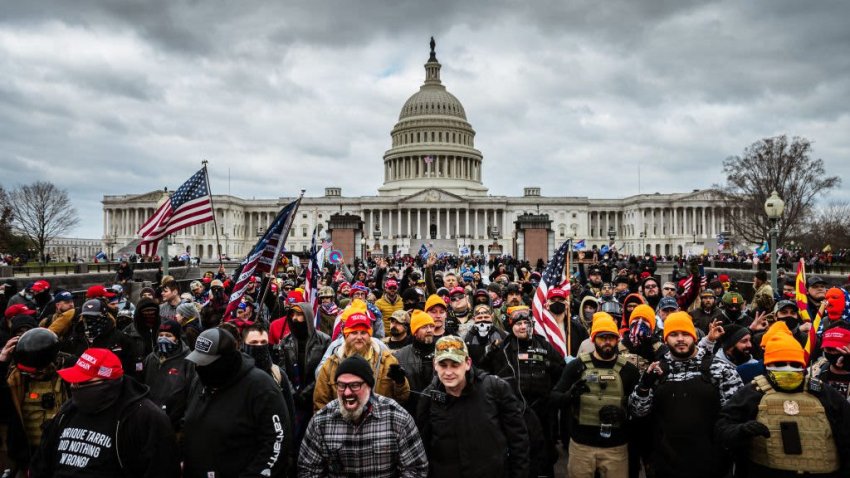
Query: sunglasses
[[457, 298]]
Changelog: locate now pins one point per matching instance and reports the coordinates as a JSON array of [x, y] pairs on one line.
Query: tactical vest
[[606, 388], [819, 454], [641, 363], [42, 401], [534, 380]]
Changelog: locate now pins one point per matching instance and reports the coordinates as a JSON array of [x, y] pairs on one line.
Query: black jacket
[[304, 380], [532, 380], [144, 338], [237, 430], [145, 443], [169, 382], [743, 407], [482, 433]]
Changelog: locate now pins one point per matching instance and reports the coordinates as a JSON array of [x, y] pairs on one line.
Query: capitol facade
[[433, 194]]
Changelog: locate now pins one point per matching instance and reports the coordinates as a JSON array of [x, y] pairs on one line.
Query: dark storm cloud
[[304, 94]]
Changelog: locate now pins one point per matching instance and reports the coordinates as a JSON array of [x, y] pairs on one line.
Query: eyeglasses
[[353, 386], [669, 288], [517, 316], [650, 286], [457, 298], [392, 289]]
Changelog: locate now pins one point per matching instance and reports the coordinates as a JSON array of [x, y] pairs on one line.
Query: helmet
[[612, 307], [37, 348], [326, 292], [117, 289]]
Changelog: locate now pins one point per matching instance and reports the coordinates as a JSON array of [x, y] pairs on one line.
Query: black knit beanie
[[356, 365], [732, 333]]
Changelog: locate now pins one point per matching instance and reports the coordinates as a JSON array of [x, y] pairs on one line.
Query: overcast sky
[[126, 97]]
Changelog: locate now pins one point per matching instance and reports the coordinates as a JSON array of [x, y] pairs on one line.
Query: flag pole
[[215, 223], [165, 257], [569, 318], [284, 233]]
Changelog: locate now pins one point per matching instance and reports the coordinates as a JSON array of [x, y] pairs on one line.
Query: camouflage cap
[[451, 348]]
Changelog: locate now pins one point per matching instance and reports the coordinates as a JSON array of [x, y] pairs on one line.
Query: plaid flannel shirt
[[386, 443]]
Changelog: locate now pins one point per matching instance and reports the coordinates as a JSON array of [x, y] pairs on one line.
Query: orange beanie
[[603, 325], [679, 322], [782, 347], [645, 312], [419, 319], [434, 300]]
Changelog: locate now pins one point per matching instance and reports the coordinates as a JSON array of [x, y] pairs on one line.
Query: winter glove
[[575, 392], [648, 380], [754, 428], [612, 414], [396, 374]]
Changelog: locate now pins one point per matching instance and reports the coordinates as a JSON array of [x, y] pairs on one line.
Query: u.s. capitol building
[[433, 193]]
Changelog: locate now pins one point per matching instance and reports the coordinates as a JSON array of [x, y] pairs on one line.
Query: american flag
[[428, 159], [262, 257], [553, 277], [311, 284], [189, 205]]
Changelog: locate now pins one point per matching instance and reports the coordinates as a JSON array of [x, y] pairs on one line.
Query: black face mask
[[261, 354], [97, 326], [408, 306], [833, 360], [218, 373], [557, 308], [98, 397], [299, 329], [733, 314]]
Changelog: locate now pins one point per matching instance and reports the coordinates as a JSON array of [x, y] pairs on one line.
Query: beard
[[684, 355], [605, 352], [352, 415], [396, 332], [738, 357]]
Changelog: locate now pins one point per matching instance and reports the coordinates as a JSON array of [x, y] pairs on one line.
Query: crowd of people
[[428, 367]]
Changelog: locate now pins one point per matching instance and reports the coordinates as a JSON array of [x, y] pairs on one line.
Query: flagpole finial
[[204, 162]]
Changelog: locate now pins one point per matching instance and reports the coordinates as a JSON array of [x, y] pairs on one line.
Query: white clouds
[[129, 97]]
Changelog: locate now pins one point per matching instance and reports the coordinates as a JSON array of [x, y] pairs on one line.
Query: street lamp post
[[363, 249], [774, 207]]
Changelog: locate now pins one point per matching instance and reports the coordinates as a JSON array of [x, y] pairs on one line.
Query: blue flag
[[763, 249], [423, 252], [579, 246], [603, 250], [100, 256]]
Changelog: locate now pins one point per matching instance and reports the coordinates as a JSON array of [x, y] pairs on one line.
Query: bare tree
[[827, 225], [42, 212], [773, 164]]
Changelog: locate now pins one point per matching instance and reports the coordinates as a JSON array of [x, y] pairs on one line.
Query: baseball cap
[[40, 286], [62, 295], [814, 280], [457, 291], [210, 345], [556, 292], [18, 309], [390, 283], [451, 348], [216, 283], [733, 298], [96, 291], [92, 307], [667, 303], [785, 303], [836, 337], [401, 316], [93, 363]]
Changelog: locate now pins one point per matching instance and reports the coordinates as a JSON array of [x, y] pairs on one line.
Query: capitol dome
[[432, 100], [432, 143]]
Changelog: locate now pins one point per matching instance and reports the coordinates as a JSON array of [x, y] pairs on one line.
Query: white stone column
[[418, 223], [428, 223], [486, 223], [439, 226], [408, 224], [398, 225], [457, 223], [475, 223]]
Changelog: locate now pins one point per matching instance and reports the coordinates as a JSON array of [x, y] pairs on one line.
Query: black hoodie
[[143, 335], [238, 429], [140, 432], [308, 358]]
